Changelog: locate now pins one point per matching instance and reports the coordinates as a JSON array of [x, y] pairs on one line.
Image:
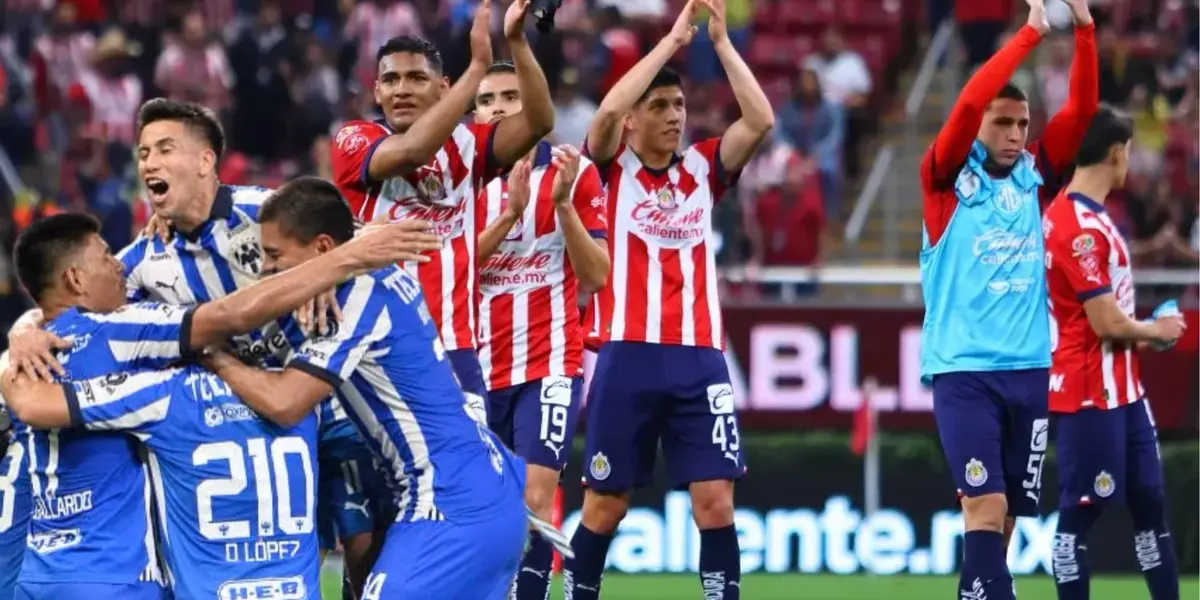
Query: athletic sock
[[1153, 545], [582, 574], [533, 580], [985, 573], [720, 563], [1072, 574]]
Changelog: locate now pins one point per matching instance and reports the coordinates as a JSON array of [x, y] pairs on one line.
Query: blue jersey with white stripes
[[236, 494], [15, 507], [91, 511], [391, 373]]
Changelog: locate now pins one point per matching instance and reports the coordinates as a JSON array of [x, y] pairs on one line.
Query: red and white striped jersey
[[663, 285], [441, 192], [1087, 257], [528, 309]]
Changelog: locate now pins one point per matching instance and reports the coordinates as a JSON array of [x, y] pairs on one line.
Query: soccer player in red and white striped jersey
[[660, 373], [419, 162], [1106, 440], [542, 233]]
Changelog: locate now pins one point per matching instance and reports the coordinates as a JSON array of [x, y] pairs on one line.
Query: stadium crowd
[[284, 74]]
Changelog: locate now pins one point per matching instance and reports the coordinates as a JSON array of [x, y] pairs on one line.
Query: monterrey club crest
[[248, 256]]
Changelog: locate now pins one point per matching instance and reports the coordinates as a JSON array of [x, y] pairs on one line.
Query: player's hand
[[683, 31], [566, 163], [313, 317], [481, 35], [514, 20], [1168, 330], [718, 29], [1080, 12], [215, 359], [31, 351], [518, 188], [159, 227], [1037, 16], [377, 246]]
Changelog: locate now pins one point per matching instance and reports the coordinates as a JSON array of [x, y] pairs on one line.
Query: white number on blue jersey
[[8, 492], [274, 501]]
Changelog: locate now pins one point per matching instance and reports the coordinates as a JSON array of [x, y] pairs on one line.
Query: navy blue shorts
[[643, 393], [994, 428], [88, 591], [536, 419], [470, 375], [1105, 454]]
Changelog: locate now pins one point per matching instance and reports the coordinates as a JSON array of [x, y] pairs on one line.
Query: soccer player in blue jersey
[[985, 342], [210, 248], [89, 490], [16, 504], [461, 524]]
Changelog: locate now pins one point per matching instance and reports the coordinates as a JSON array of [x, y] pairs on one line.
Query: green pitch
[[833, 587]]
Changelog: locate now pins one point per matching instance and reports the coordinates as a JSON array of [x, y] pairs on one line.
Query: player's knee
[[1148, 508], [540, 501], [712, 503], [602, 512], [985, 513]]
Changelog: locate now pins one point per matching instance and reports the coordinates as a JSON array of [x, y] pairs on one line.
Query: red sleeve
[[486, 166], [602, 167], [1064, 133], [1081, 255], [350, 157], [589, 201], [719, 180], [945, 157], [481, 209]]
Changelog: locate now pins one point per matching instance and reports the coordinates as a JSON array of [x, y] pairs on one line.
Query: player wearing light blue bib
[[16, 504], [461, 523], [89, 489]]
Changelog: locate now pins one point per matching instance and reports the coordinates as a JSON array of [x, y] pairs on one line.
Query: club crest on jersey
[[1083, 244], [600, 467], [665, 199], [1008, 199], [248, 256], [976, 473], [430, 188], [518, 228], [1104, 485]]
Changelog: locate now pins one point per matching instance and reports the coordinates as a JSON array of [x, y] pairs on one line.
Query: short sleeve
[[350, 158], [719, 180], [147, 335], [333, 357], [590, 203], [131, 258], [1083, 262], [485, 166], [120, 401]]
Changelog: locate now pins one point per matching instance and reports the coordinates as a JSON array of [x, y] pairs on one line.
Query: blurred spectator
[[1054, 75], [816, 127], [980, 24], [60, 56], [315, 92], [573, 112], [786, 223], [616, 49], [193, 67], [1114, 68], [639, 10], [703, 66], [107, 92], [263, 100], [371, 23], [845, 81], [1162, 230]]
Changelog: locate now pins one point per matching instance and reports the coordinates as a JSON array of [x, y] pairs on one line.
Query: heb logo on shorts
[[276, 588]]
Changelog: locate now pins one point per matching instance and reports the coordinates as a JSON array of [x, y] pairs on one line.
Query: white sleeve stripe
[[140, 315], [130, 351], [152, 412]]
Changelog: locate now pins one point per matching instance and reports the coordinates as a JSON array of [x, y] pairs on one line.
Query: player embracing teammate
[[660, 373]]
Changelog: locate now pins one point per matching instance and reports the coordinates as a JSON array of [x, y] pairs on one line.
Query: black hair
[[42, 248], [501, 66], [193, 116], [667, 77], [408, 44], [1012, 92], [306, 207], [1110, 127]]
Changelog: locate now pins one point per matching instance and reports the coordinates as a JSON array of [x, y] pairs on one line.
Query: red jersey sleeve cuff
[[365, 175], [1084, 296]]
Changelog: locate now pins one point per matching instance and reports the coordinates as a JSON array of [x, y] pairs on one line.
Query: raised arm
[[402, 153], [744, 135], [493, 233], [579, 204], [516, 134], [954, 141], [284, 397], [1064, 133], [604, 136]]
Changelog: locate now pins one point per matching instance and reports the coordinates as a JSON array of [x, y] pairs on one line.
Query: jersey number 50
[[274, 501]]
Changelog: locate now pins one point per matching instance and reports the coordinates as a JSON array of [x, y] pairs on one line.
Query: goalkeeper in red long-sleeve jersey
[[985, 347]]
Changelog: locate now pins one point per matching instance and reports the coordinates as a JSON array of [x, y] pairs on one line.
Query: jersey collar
[[1092, 205], [222, 208]]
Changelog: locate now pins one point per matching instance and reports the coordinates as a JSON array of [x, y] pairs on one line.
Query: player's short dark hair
[[306, 207], [1012, 92], [1110, 127], [408, 44], [666, 77], [501, 66], [42, 248], [199, 119]]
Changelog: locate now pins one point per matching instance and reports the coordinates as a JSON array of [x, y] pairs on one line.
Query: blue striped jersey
[[390, 371], [91, 495], [15, 508], [236, 494]]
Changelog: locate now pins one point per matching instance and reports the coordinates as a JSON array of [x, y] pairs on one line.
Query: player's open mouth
[[156, 186], [404, 106]]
